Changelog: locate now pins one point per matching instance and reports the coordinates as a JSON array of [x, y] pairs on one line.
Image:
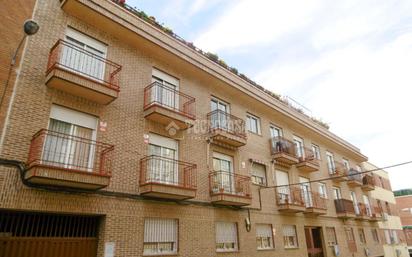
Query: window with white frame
[[358, 168], [322, 190], [164, 90], [160, 236], [226, 236], [259, 174], [253, 124], [388, 240], [68, 144], [275, 131], [163, 167], [336, 193], [346, 164], [290, 239], [264, 236], [362, 237], [316, 151], [395, 239], [375, 235], [299, 146], [331, 162]]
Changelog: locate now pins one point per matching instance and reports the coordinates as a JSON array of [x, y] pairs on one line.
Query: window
[[331, 163], [299, 146], [163, 169], [283, 192], [160, 236], [358, 168], [223, 173], [259, 174], [388, 208], [351, 239], [355, 202], [322, 190], [226, 236], [367, 205], [395, 239], [68, 145], [316, 151], [290, 239], [336, 193], [346, 164], [219, 114], [375, 235], [275, 131], [264, 236], [331, 236], [305, 191], [253, 123], [164, 93], [362, 235], [76, 59], [387, 236]]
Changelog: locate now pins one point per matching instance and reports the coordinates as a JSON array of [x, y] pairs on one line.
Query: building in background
[[393, 238], [125, 140], [404, 207]]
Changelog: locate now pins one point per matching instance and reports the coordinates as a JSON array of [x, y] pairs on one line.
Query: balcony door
[[306, 192], [220, 111], [367, 205], [331, 163], [84, 55], [164, 92], [282, 178], [299, 146], [69, 142], [355, 202], [336, 193], [163, 168], [223, 176]]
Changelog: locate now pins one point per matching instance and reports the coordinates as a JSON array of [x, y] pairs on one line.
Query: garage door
[[47, 235]]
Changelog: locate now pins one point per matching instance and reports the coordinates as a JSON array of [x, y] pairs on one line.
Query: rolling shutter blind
[[259, 170], [289, 230], [158, 230], [264, 230], [226, 232]]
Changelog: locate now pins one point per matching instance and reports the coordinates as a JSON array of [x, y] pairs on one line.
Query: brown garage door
[[47, 235]]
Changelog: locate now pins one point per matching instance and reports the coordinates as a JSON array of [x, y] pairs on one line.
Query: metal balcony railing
[[355, 175], [57, 150], [307, 155], [220, 120], [70, 57], [368, 180], [282, 145], [344, 206], [222, 182], [337, 169], [169, 98], [290, 195], [317, 201], [164, 171]]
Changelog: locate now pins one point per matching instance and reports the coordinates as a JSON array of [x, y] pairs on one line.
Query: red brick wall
[[13, 14]]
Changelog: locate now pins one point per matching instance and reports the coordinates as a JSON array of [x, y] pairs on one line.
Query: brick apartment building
[[124, 140], [404, 207]]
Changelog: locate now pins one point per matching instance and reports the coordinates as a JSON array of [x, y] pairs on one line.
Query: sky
[[349, 62]]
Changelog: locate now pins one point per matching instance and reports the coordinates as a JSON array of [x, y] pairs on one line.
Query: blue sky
[[348, 61]]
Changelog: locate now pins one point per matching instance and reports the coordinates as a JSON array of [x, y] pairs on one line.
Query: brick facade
[[121, 205]]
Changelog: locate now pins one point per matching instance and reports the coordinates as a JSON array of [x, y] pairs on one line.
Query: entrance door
[[314, 241]]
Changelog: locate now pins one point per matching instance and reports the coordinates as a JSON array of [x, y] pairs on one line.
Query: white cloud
[[348, 61]]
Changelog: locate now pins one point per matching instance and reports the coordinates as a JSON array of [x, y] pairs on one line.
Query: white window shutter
[[158, 230], [226, 232], [264, 230]]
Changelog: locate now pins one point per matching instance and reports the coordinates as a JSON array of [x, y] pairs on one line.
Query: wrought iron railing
[[223, 182], [344, 206], [220, 120], [65, 55], [169, 98], [282, 145], [64, 151], [290, 195]]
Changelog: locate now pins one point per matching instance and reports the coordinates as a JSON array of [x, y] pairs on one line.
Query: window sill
[[227, 251], [266, 249], [291, 248], [160, 254]]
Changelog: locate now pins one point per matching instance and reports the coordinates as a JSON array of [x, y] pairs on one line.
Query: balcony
[[167, 178], [315, 203], [363, 212], [226, 129], [338, 171], [62, 160], [344, 209], [368, 183], [307, 162], [376, 214], [79, 72], [168, 106], [283, 151], [354, 178], [229, 189], [290, 199]]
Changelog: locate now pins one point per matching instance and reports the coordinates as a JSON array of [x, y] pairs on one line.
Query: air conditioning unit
[[385, 216], [336, 250], [367, 252], [398, 253]]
